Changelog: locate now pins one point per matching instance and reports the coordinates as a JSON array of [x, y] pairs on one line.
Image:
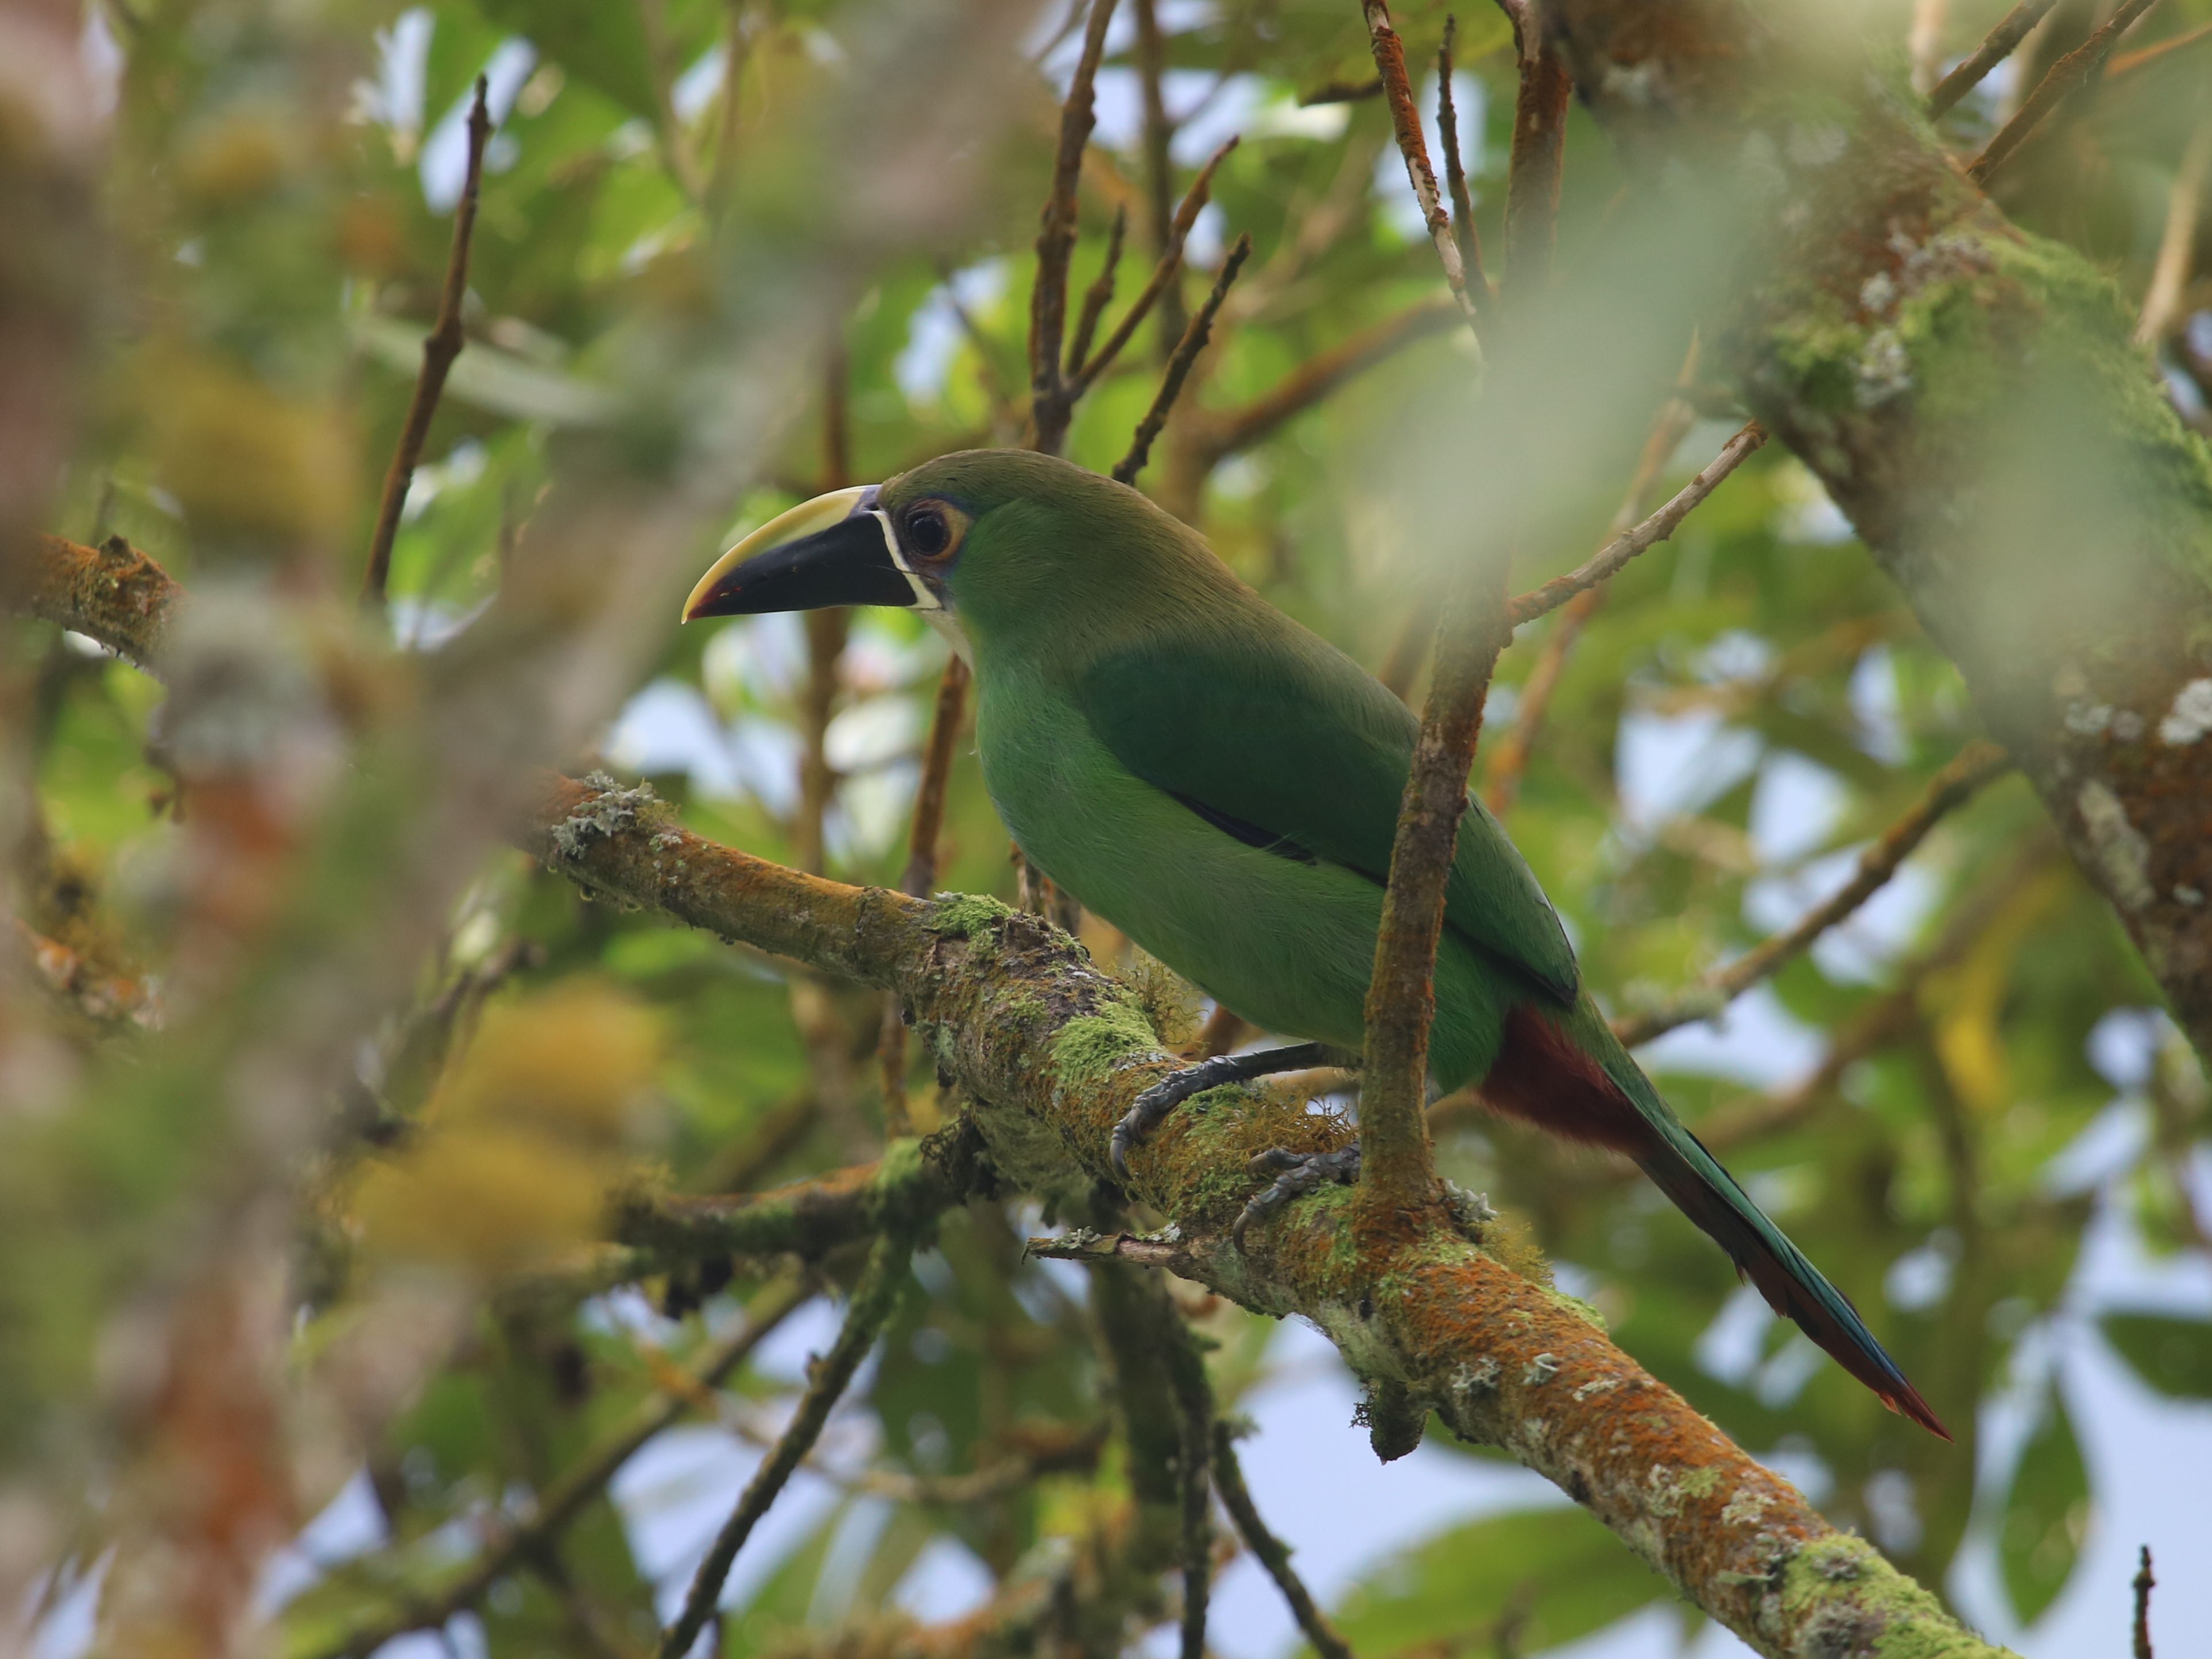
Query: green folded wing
[[1275, 728]]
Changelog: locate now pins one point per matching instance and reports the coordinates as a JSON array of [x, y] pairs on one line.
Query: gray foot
[[1153, 1105], [1295, 1175]]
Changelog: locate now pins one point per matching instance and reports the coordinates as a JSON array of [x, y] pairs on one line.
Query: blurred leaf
[[2172, 1354], [1569, 1575], [2046, 1513]]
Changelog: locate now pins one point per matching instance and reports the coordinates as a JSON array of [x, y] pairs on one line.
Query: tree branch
[[2077, 68], [1179, 365], [1389, 53], [1607, 562], [1534, 169], [2000, 43], [1051, 1052], [1975, 765], [1055, 242], [1397, 1179], [1975, 469], [1463, 201], [440, 347], [1272, 1553], [1193, 202], [873, 1298]]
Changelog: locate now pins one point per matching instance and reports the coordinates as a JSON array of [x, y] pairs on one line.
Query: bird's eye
[[926, 532]]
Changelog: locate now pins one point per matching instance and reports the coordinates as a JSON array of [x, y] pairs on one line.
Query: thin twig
[[1055, 241], [920, 873], [873, 1299], [560, 1503], [2144, 1585], [440, 347], [1608, 560], [1099, 295], [2177, 245], [1462, 200], [1509, 757], [1534, 169], [1975, 765], [1193, 202], [1179, 365], [1273, 1554], [1389, 54], [2001, 42], [2077, 68], [2144, 57]]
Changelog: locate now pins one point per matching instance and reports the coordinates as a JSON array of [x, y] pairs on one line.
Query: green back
[[1267, 724]]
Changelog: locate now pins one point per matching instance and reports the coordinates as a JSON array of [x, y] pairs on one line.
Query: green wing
[[1280, 733]]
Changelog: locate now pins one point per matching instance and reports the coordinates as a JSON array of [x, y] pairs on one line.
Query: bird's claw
[[1151, 1108], [1295, 1175]]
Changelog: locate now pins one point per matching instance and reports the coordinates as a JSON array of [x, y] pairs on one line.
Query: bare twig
[[1463, 201], [440, 347], [1055, 240], [1397, 1181], [1193, 202], [2144, 1585], [1609, 559], [1099, 295], [2177, 245], [2001, 42], [2144, 57], [561, 1501], [1273, 1554], [1179, 365], [661, 68], [920, 873], [1975, 765], [1406, 121], [1509, 756], [1533, 170], [872, 1300], [2078, 68]]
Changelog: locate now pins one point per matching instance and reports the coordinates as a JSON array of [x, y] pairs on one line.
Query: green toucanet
[[1223, 785]]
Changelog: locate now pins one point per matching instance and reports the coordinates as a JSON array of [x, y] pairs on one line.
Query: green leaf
[[2046, 1513], [602, 45], [1559, 1566], [2174, 1355]]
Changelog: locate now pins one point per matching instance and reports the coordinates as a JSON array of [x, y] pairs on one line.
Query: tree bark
[[1970, 396]]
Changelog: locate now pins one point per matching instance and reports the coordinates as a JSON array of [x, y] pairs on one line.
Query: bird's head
[[990, 545]]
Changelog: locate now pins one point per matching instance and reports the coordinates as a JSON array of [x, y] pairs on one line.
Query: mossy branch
[[1050, 1051]]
